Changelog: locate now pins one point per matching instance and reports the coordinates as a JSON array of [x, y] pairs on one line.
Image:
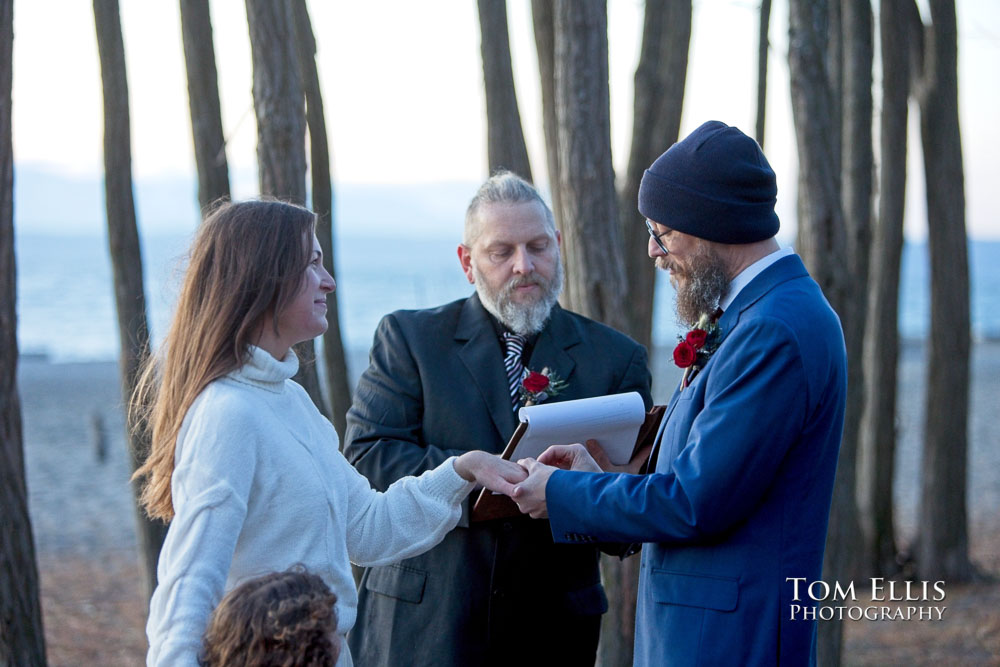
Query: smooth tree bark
[[834, 59], [203, 101], [857, 173], [126, 257], [504, 136], [22, 641], [877, 441], [591, 237], [763, 48], [822, 243], [335, 361], [543, 24], [279, 106], [942, 546], [659, 80]]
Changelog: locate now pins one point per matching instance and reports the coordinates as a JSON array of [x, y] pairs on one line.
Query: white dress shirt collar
[[746, 275]]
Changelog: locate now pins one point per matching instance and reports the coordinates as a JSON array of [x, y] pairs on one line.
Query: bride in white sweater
[[242, 463]]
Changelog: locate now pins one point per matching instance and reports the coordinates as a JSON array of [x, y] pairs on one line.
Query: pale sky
[[402, 86]]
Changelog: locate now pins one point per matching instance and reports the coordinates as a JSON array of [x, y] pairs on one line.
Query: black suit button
[[508, 526]]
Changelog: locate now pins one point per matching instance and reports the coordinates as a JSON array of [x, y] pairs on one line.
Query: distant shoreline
[[46, 357]]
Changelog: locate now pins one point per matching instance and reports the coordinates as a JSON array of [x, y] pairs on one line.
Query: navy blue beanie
[[715, 184]]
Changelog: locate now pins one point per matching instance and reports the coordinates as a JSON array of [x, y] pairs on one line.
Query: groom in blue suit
[[737, 500]]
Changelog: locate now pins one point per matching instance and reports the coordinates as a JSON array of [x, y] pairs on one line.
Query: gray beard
[[702, 290], [524, 319]]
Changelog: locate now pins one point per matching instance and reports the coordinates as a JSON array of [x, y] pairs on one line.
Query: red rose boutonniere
[[696, 347], [536, 387]]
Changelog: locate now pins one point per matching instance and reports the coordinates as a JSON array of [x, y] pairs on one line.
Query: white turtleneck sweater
[[259, 485]]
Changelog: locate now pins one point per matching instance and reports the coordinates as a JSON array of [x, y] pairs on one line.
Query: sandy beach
[[82, 515]]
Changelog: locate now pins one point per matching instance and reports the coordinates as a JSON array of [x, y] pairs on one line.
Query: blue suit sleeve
[[755, 405]]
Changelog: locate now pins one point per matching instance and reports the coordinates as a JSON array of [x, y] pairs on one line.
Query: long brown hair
[[246, 262], [284, 619]]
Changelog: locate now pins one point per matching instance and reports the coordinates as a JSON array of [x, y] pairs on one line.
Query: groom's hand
[[575, 457], [530, 494]]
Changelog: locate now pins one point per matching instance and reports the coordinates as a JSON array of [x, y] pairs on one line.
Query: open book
[[618, 422]]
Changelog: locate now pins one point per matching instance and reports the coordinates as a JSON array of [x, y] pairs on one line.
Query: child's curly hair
[[285, 619]]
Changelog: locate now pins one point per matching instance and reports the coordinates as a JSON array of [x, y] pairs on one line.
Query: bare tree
[[505, 138], [763, 47], [877, 441], [203, 100], [660, 78], [834, 61], [322, 203], [591, 237], [281, 132], [942, 547], [126, 257], [543, 22], [22, 641], [857, 165], [822, 243]]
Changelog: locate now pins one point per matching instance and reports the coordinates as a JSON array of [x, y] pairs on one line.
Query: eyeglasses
[[656, 237]]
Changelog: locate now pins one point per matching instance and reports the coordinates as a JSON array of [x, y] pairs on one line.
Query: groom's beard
[[700, 287], [522, 318]]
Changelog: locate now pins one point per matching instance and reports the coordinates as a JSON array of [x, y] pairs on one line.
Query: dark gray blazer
[[437, 387]]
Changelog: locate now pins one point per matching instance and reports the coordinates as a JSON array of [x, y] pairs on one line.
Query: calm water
[[66, 303]]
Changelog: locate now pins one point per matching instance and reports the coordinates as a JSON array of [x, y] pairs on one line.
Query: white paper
[[613, 421]]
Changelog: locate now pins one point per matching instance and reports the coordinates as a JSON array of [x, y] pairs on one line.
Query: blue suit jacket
[[740, 496]]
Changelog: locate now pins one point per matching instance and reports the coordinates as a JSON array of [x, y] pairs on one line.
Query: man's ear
[[465, 259], [558, 239]]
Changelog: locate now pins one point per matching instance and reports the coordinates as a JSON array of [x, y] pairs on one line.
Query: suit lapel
[[480, 352], [786, 268], [655, 453], [550, 348]]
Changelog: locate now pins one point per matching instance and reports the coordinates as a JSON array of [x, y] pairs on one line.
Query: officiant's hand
[[530, 494], [490, 471], [597, 453]]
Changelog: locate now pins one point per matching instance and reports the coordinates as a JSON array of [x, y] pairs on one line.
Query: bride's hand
[[490, 471]]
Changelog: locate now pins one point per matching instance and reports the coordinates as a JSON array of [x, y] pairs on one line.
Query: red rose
[[684, 354], [535, 382], [696, 338]]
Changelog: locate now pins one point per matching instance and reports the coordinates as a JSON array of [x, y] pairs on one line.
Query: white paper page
[[613, 421]]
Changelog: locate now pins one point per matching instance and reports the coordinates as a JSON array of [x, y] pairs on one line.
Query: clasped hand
[[525, 480], [530, 493]]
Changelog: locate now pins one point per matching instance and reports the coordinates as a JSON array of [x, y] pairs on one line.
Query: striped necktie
[[514, 344]]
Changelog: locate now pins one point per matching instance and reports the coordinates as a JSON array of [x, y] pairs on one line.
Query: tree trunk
[[763, 47], [505, 138], [22, 641], [943, 542], [322, 202], [659, 93], [281, 133], [203, 100], [822, 243], [126, 258], [591, 236], [881, 347], [857, 164], [543, 21], [834, 58]]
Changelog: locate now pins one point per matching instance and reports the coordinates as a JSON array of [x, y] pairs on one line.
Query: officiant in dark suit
[[446, 380]]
